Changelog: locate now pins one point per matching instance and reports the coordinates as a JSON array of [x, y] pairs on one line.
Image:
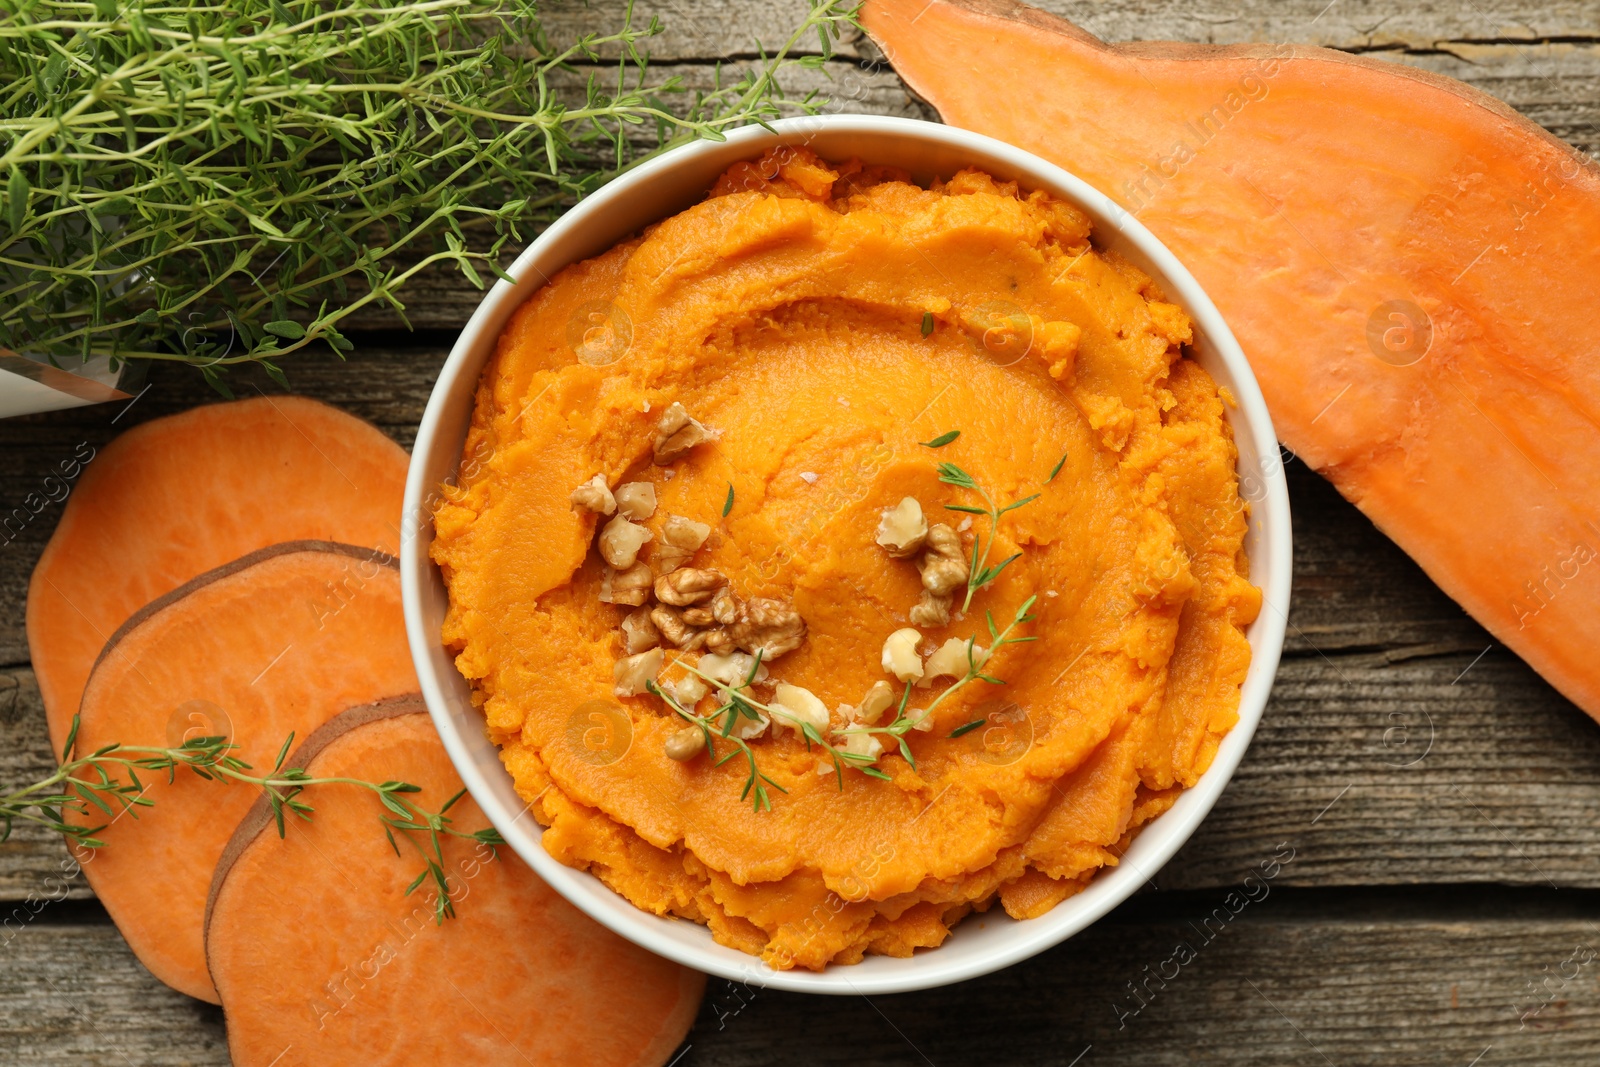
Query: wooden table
[[1439, 799]]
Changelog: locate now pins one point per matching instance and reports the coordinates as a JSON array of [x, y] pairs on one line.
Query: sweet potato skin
[[255, 650], [1406, 261], [350, 970], [180, 495]]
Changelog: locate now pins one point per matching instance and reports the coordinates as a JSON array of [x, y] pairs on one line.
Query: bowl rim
[[1252, 425]]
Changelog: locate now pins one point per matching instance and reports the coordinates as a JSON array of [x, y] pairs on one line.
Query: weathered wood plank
[[714, 29], [1280, 979]]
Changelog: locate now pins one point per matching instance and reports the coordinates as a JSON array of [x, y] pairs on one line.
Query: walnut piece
[[879, 699], [902, 530], [630, 586], [636, 500], [595, 495], [793, 706], [638, 633], [698, 616], [630, 674], [621, 540], [677, 433], [771, 627], [731, 669], [944, 564], [686, 744], [687, 586], [726, 606], [900, 655], [931, 610], [861, 745], [680, 539], [950, 660], [674, 631], [719, 640]]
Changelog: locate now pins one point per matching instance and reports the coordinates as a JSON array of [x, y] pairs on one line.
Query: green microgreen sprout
[[942, 440], [1062, 462], [979, 573], [107, 781], [727, 505]]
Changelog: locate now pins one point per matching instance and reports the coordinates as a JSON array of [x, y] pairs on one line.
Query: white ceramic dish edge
[[657, 189]]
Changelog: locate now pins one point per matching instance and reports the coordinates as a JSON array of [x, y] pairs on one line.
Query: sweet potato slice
[[279, 641], [177, 496], [1408, 263], [324, 960]]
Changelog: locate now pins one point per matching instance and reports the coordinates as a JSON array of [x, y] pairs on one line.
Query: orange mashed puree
[[826, 319]]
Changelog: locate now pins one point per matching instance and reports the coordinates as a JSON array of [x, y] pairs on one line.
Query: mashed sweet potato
[[823, 320]]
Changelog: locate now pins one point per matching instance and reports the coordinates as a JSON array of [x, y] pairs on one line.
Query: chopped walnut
[[950, 660], [944, 564], [794, 706], [674, 631], [771, 627], [595, 495], [879, 699], [748, 729], [686, 744], [931, 610], [680, 539], [639, 633], [726, 606], [698, 616], [630, 586], [687, 586], [902, 530], [861, 745], [719, 640], [621, 540], [731, 669], [636, 500], [689, 689], [900, 655], [677, 433], [631, 673]]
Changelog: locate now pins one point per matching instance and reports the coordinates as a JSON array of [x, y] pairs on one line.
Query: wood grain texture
[[1414, 778], [1277, 980]]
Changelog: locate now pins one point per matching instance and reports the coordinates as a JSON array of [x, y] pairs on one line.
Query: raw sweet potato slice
[[324, 960], [180, 495], [279, 641], [1408, 263]]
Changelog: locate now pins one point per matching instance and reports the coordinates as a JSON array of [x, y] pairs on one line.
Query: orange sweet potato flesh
[[347, 969], [177, 496], [275, 643], [1306, 189]]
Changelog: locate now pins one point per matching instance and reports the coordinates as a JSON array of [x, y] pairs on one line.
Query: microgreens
[[942, 440], [727, 505], [1062, 462], [82, 785], [979, 573]]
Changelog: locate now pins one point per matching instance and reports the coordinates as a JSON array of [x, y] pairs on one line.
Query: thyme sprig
[[221, 181], [107, 782], [979, 574], [905, 721]]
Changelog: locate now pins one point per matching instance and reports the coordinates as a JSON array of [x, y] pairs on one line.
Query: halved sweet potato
[[177, 496], [275, 643], [322, 958]]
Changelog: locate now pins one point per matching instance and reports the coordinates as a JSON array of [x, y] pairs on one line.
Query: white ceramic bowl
[[669, 184]]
